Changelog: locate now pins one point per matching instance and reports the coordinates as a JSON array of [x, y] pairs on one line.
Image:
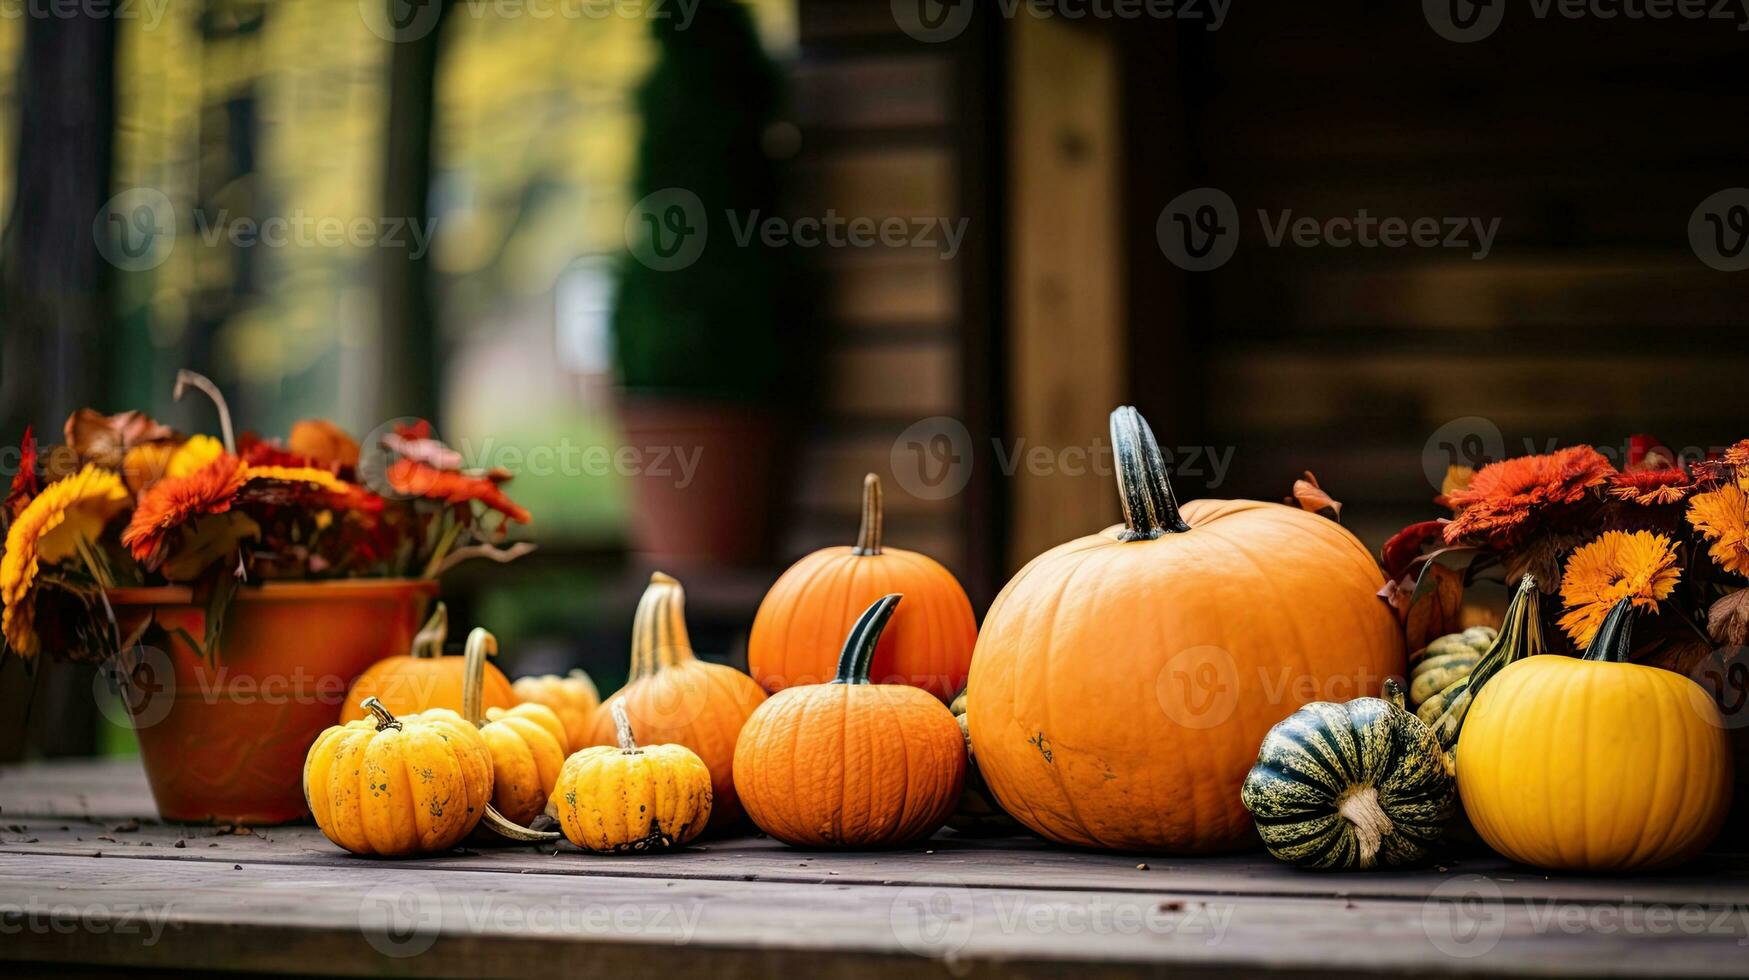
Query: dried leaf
[[1405, 546], [1727, 622], [1308, 496], [24, 483], [1438, 609], [105, 439]]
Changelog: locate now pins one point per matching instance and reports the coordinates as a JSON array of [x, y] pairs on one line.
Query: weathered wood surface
[[86, 879]]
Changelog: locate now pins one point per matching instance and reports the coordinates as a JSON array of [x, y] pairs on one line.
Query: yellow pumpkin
[[625, 799], [572, 697], [1595, 763], [392, 786], [526, 742]]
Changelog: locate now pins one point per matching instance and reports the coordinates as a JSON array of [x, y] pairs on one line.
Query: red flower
[[416, 479], [1647, 487], [174, 501], [24, 482], [1505, 495]]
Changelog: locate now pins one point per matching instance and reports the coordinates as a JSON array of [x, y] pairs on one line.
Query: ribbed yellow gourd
[[626, 798], [1595, 764]]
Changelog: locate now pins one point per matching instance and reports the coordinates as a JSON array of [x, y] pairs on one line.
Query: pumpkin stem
[[659, 637], [859, 646], [1394, 693], [1149, 509], [1360, 807], [429, 641], [622, 728], [481, 644], [508, 829], [385, 720], [1614, 639], [868, 536], [186, 379]]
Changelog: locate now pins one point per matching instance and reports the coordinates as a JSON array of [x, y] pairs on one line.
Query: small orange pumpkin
[[424, 678], [1123, 681], [808, 610], [572, 697], [672, 697], [849, 763]]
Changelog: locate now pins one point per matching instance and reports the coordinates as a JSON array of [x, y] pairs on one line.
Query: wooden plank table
[[88, 880]]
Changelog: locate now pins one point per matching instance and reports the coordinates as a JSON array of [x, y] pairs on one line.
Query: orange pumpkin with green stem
[[1123, 681], [850, 763], [672, 697], [424, 678], [807, 612]]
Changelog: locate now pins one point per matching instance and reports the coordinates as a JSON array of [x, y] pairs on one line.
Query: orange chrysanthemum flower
[[1738, 454], [51, 528], [1617, 565], [175, 500], [1650, 487], [1503, 496], [416, 479], [1722, 517]]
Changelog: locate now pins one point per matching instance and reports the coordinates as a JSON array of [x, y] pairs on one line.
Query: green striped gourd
[[1521, 635], [1447, 659], [1356, 785]]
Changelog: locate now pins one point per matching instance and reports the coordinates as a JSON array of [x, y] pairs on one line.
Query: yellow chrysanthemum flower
[[50, 529], [1722, 517], [1637, 565], [193, 454], [146, 464]]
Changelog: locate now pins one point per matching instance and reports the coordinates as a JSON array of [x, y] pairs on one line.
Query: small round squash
[[805, 615], [572, 697], [396, 786], [1595, 764], [851, 764], [424, 678], [527, 743], [1356, 785], [629, 799]]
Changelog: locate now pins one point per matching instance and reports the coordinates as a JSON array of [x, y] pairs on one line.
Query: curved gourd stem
[[859, 646], [1394, 693], [429, 641], [1521, 635], [186, 379], [1614, 639], [385, 720], [481, 644], [508, 829], [622, 729], [1149, 509], [659, 637], [868, 536]]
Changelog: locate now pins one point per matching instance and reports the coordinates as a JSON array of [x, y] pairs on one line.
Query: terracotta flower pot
[[706, 483], [224, 739]]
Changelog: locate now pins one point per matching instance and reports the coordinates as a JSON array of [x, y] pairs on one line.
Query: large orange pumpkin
[[424, 678], [674, 697], [849, 763], [806, 614], [1123, 681]]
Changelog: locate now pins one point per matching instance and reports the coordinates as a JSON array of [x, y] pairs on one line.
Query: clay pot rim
[[317, 591]]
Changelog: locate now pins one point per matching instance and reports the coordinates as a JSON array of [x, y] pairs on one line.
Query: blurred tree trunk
[[408, 340], [57, 296]]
